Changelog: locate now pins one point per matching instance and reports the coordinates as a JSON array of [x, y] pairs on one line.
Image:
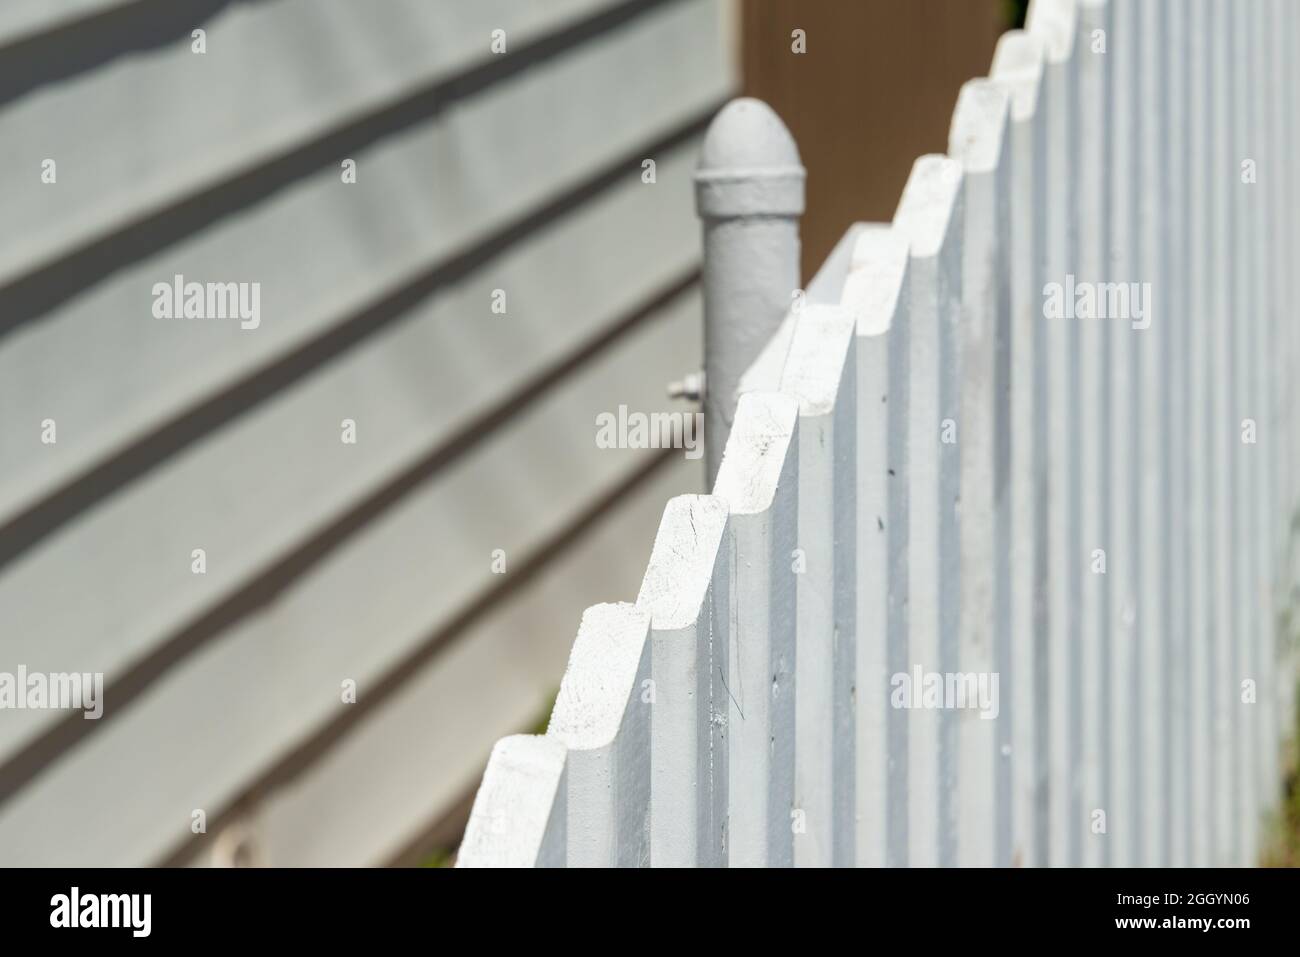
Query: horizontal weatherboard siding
[[233, 707], [476, 173]]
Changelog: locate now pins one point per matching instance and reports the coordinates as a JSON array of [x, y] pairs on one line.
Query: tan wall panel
[[874, 90]]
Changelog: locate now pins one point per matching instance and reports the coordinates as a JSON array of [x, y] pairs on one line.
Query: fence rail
[[999, 560]]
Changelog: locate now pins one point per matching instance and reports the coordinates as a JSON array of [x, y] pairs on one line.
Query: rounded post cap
[[749, 165]]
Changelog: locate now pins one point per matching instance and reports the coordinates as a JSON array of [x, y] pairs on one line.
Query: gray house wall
[[326, 561]]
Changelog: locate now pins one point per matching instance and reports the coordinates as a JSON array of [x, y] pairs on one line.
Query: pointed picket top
[[1018, 69], [765, 427], [601, 675], [680, 570], [812, 367], [518, 819], [875, 279], [1054, 23], [979, 125], [930, 199]]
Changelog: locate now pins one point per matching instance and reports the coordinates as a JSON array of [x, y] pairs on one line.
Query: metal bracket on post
[[749, 192]]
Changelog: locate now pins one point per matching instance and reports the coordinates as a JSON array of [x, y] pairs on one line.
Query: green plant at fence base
[[1014, 11], [441, 857], [1283, 848]]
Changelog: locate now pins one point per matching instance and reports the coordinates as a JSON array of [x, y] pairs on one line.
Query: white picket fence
[[941, 467]]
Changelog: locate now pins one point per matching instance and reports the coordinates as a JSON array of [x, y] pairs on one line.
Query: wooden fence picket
[[818, 371], [1118, 624], [929, 218], [1199, 595], [1223, 591], [1270, 352], [1018, 67], [1056, 24], [874, 292], [1239, 335], [520, 816], [758, 479], [1090, 339], [978, 140], [1176, 337], [686, 592], [602, 716]]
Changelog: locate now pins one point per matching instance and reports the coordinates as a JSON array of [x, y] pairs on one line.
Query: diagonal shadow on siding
[[88, 42], [63, 503], [26, 298], [265, 585], [304, 756]]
